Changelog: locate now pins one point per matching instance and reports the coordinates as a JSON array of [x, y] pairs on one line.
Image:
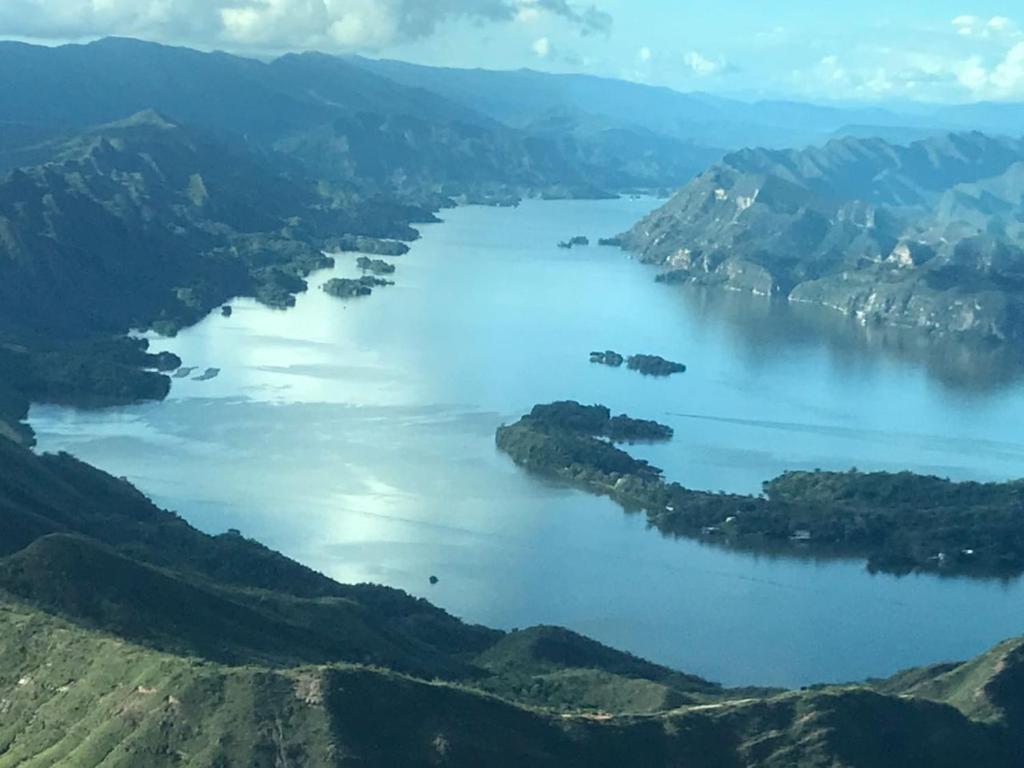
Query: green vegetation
[[648, 365], [572, 242], [608, 357], [898, 522], [652, 365], [129, 638], [94, 372], [569, 418], [348, 288], [376, 266], [363, 244]]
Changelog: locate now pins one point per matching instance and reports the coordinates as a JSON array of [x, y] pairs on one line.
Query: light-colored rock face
[[681, 259], [721, 195], [745, 201], [902, 255]]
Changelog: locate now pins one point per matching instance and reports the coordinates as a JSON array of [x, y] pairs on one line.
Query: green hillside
[[129, 638]]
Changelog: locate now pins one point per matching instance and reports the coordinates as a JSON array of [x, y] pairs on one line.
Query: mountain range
[[344, 122], [926, 235]]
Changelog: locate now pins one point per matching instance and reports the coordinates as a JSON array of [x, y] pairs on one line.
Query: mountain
[[524, 98], [924, 236], [142, 219], [129, 638], [346, 124]]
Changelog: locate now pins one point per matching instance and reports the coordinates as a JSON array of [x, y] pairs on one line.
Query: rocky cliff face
[[927, 236]]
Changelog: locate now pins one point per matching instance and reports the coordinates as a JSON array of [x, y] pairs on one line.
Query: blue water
[[357, 437]]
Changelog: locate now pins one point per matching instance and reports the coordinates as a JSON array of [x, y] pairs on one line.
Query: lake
[[358, 437]]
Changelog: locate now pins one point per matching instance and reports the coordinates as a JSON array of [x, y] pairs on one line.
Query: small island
[[610, 242], [648, 365], [580, 436], [572, 242], [347, 288], [226, 310], [653, 365], [376, 266], [209, 373], [608, 357], [898, 522]]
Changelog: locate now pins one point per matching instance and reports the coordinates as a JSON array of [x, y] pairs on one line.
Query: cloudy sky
[[869, 50]]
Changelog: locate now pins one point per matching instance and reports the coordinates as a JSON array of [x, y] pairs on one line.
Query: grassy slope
[[73, 697], [128, 638]]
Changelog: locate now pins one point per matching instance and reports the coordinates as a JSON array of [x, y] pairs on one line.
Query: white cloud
[[1005, 80], [976, 26], [915, 74], [644, 55], [542, 47], [587, 19], [277, 24], [702, 66]]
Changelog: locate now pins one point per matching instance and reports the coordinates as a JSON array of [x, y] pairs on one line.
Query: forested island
[[654, 365], [609, 357], [648, 365], [376, 266], [899, 522], [347, 288]]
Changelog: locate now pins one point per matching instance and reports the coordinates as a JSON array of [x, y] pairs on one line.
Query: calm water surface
[[357, 437]]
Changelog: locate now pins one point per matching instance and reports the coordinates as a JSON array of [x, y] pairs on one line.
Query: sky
[[867, 51]]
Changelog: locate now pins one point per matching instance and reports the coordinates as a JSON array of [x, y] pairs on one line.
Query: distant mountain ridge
[[926, 235], [525, 97], [342, 121]]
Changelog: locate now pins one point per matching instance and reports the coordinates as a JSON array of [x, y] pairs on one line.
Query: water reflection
[[757, 326]]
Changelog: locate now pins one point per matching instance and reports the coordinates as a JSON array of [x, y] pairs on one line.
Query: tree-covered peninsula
[[899, 522]]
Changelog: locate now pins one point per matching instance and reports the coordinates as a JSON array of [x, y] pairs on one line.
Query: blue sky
[[870, 50]]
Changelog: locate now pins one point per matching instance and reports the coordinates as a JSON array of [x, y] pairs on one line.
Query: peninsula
[[898, 522]]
